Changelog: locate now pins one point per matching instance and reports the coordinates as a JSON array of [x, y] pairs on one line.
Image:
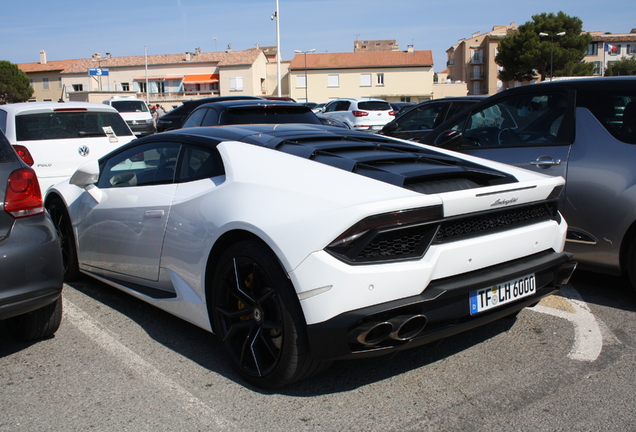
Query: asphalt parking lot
[[119, 364]]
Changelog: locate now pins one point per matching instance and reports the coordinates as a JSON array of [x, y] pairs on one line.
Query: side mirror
[[86, 174], [445, 138]]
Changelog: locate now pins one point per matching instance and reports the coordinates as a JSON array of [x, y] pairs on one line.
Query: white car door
[[123, 232]]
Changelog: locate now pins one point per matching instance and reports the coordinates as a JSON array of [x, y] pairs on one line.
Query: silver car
[[581, 129]]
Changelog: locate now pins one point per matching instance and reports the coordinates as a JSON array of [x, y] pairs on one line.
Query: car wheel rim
[[249, 317]]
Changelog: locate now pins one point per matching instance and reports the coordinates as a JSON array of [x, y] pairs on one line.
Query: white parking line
[[87, 325], [588, 337]]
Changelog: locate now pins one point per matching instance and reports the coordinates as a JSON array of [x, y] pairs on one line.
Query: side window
[[149, 164], [195, 119], [520, 120], [615, 109], [342, 106], [419, 118], [198, 163], [211, 118], [3, 121]]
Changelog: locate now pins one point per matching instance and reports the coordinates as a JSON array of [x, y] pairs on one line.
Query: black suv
[[175, 118], [250, 112], [420, 119]]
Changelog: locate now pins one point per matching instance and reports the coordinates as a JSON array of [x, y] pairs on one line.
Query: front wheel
[[62, 222], [257, 316]]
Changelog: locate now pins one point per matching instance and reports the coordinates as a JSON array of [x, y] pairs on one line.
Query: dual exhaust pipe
[[400, 328]]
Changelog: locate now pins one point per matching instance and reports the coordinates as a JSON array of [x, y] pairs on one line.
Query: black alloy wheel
[[258, 319]]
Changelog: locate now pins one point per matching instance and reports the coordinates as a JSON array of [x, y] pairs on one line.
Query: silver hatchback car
[[581, 129]]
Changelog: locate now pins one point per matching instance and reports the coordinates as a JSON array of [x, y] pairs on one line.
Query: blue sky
[[71, 29]]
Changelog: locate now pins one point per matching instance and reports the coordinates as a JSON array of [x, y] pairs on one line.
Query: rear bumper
[[31, 267], [444, 306]]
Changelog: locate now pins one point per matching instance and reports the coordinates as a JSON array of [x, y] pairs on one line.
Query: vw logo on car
[[83, 150]]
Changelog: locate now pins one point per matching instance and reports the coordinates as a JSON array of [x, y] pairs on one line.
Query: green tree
[[525, 53], [624, 66], [14, 84]]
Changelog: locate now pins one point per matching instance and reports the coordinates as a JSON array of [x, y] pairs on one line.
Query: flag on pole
[[610, 48]]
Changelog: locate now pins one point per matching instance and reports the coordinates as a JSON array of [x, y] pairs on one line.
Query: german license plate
[[501, 294]]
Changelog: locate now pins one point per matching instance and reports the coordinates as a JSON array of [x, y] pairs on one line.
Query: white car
[[368, 115], [302, 244], [56, 138]]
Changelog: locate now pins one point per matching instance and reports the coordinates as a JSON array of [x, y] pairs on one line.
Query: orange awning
[[201, 78]]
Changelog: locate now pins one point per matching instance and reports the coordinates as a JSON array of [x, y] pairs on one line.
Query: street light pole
[[306, 83], [551, 47]]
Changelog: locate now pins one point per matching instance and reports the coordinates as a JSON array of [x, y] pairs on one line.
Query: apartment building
[[606, 48], [472, 60], [45, 78], [394, 76]]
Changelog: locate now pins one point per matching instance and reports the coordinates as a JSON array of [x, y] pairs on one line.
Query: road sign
[[97, 72]]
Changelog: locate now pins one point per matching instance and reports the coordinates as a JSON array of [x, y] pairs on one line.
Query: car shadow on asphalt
[[204, 349]]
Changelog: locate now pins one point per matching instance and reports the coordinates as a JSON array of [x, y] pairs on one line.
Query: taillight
[[392, 113], [359, 113], [23, 197], [24, 154], [397, 235]]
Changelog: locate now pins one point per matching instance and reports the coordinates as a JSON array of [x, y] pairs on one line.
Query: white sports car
[[302, 244]]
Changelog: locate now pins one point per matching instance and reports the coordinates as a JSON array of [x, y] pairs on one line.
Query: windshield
[[50, 126], [130, 106]]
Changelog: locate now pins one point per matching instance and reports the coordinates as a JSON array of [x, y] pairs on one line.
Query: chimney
[[409, 49], [229, 48], [108, 55], [188, 56], [42, 57], [197, 51]]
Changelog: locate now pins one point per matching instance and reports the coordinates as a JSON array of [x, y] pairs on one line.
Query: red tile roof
[[50, 66], [422, 58]]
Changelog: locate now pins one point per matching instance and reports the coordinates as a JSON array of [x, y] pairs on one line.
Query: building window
[[45, 84], [333, 81], [476, 56], [300, 81], [380, 81], [597, 67], [59, 82], [592, 49], [161, 87], [78, 87], [125, 86], [236, 84], [31, 82], [142, 87], [405, 99], [631, 49], [365, 80], [214, 86]]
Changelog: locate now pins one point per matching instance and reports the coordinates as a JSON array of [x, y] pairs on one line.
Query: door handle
[[153, 214], [546, 161]]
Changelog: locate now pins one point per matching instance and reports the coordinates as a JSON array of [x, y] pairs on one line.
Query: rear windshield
[[64, 125], [374, 106], [130, 106], [269, 115], [615, 109]]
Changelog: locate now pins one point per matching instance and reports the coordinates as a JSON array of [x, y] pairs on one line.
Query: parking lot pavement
[[119, 364]]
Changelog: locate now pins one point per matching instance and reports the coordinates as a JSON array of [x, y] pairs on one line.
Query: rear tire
[[62, 221], [37, 324], [258, 319]]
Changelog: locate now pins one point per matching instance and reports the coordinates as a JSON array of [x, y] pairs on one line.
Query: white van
[[56, 138], [135, 112]]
